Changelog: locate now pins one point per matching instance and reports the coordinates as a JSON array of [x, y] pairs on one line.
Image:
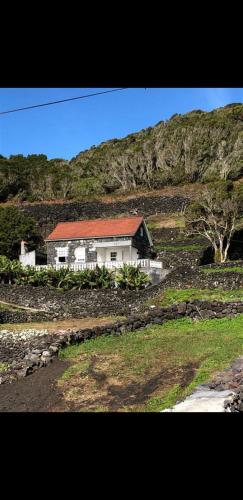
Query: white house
[[99, 241]]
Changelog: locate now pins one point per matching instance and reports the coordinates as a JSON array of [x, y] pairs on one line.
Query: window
[[62, 253], [61, 259], [113, 255], [141, 231], [80, 254]]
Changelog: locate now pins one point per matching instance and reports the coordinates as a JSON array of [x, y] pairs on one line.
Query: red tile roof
[[99, 228]]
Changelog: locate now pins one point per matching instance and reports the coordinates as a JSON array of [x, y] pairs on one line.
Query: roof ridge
[[100, 219], [96, 228]]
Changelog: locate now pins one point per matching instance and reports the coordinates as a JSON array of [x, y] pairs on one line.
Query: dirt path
[[16, 306], [36, 393]]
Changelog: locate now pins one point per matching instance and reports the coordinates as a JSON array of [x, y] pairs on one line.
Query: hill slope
[[194, 147]]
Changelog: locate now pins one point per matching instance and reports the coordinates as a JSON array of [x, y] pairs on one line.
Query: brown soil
[[53, 326], [96, 388], [40, 391], [35, 393]]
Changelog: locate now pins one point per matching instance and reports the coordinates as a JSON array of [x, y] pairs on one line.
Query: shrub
[[131, 277], [66, 279]]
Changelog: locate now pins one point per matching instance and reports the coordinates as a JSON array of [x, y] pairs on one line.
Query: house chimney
[[23, 249]]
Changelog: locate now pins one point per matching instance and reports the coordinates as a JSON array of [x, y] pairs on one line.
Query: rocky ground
[[231, 379], [224, 393]]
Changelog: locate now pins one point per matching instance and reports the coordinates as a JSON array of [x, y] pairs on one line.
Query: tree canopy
[[14, 227]]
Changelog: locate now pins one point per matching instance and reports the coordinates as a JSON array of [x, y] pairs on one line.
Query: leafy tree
[[214, 216], [14, 227]]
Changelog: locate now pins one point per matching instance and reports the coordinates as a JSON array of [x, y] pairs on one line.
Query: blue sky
[[63, 130]]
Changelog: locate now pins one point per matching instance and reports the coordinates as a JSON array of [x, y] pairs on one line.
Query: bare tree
[[214, 217], [225, 170]]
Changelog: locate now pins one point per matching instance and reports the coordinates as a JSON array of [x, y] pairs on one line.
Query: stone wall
[[32, 351], [96, 303], [75, 303], [193, 277], [172, 259], [48, 215], [23, 316]]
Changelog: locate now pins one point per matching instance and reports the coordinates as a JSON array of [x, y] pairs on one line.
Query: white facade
[[116, 251], [27, 258]]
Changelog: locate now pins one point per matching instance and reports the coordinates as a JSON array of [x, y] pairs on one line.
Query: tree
[[14, 227], [214, 216]]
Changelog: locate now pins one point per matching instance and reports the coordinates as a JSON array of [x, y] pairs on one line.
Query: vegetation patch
[[149, 369], [172, 296], [233, 269], [127, 277], [179, 248], [165, 221], [3, 367]]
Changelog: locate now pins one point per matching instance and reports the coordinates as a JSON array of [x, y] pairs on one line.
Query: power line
[[61, 100]]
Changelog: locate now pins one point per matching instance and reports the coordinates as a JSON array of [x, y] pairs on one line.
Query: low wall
[[48, 215], [71, 304], [177, 258], [57, 304], [195, 277], [23, 316], [26, 356]]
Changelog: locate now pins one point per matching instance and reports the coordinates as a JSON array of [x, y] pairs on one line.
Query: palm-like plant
[[104, 277], [131, 277], [9, 269], [127, 277]]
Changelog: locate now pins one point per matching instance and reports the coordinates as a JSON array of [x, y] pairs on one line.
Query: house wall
[[123, 253], [90, 254], [142, 244], [28, 259]]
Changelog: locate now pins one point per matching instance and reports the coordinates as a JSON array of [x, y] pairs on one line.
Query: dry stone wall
[[48, 215], [27, 351]]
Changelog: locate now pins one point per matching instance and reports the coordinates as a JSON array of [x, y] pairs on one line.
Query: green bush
[[131, 277], [12, 272], [9, 270]]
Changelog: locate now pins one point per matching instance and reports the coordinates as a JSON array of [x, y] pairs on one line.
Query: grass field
[[149, 369], [171, 296], [233, 269]]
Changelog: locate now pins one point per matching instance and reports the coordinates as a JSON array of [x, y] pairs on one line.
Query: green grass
[[171, 296], [180, 222], [133, 360], [4, 367], [233, 269], [152, 225], [178, 248]]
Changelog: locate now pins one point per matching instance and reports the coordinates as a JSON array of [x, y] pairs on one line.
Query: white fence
[[109, 265]]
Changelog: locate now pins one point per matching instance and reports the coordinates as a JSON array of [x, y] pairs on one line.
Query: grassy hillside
[[194, 147]]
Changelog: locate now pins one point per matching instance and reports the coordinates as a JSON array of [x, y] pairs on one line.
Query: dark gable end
[[142, 241]]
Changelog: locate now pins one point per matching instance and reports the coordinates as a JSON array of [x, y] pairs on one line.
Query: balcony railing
[[143, 263]]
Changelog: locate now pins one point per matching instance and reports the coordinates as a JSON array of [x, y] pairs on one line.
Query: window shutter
[[80, 253], [62, 252]]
